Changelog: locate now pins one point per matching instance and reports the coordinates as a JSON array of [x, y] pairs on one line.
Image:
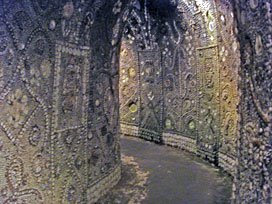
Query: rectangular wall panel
[[208, 77], [151, 95]]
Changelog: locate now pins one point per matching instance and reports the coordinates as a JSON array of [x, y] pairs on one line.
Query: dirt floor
[[156, 174]]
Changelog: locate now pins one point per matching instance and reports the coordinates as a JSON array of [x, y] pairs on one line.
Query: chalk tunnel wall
[[59, 91]]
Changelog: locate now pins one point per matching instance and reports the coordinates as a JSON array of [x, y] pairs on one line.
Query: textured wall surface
[[59, 100], [229, 61], [129, 85], [254, 173]]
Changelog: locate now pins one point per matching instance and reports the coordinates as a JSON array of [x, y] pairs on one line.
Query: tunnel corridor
[[179, 83], [135, 101]]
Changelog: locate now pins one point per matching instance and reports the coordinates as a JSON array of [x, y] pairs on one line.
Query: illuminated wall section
[[129, 88], [200, 59], [217, 58], [208, 82], [229, 61]]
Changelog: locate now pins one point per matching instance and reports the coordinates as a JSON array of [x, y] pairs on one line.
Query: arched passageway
[[59, 90], [192, 55], [179, 77], [179, 80]]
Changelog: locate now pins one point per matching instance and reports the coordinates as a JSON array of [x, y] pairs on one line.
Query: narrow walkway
[[168, 176]]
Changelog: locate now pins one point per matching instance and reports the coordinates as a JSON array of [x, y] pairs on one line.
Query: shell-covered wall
[[192, 101], [59, 100], [229, 62], [129, 85], [253, 181]]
